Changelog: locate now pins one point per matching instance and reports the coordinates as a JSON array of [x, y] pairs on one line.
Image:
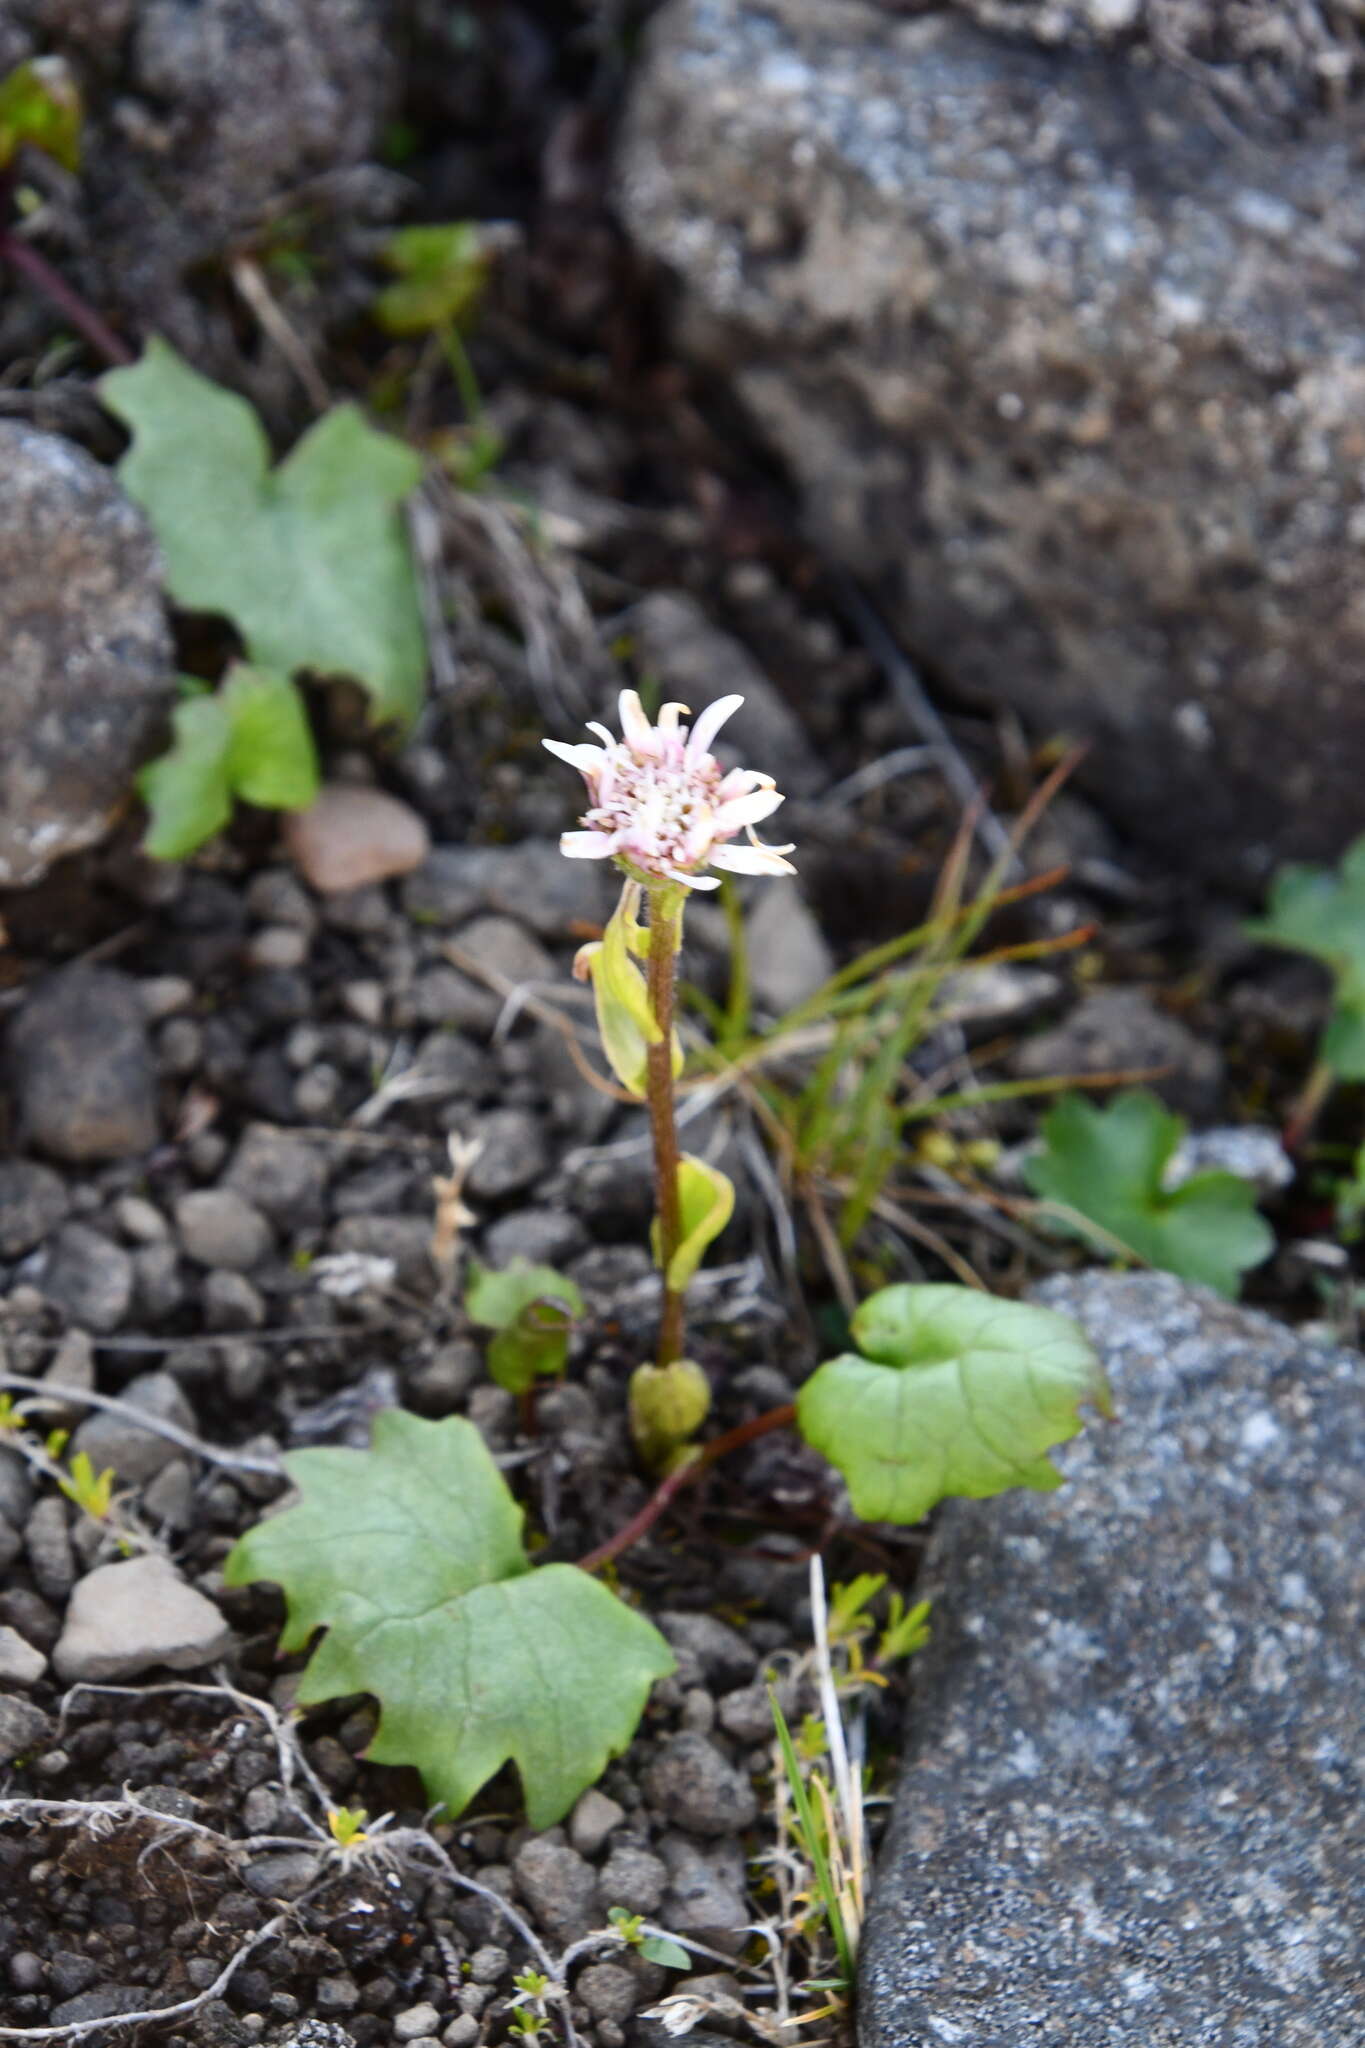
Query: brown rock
[[353, 836]]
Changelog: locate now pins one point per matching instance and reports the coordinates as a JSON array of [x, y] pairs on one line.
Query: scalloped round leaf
[[410, 1556], [958, 1393]]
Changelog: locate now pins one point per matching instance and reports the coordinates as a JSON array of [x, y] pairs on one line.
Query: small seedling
[[655, 1948], [440, 272], [346, 1825], [92, 1492], [1321, 912], [528, 2015], [533, 1310]]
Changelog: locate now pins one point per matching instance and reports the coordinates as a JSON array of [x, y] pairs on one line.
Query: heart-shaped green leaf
[[951, 1392], [310, 561], [1109, 1165], [410, 1556]]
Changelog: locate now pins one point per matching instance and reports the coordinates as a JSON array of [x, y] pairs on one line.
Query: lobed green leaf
[[410, 1556], [310, 560], [1109, 1166]]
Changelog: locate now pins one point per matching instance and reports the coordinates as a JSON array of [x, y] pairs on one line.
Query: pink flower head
[[660, 803]]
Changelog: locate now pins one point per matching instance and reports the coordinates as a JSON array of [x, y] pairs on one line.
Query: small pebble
[[20, 1663], [417, 2021], [278, 946], [693, 1784], [218, 1227], [140, 1220], [351, 837], [592, 1820]]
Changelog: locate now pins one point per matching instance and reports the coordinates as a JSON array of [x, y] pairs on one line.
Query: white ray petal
[[587, 845], [582, 755], [636, 728], [753, 860], [739, 782], [709, 724], [747, 810]]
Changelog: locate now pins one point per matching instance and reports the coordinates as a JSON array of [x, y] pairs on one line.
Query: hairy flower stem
[[665, 919], [640, 1524]]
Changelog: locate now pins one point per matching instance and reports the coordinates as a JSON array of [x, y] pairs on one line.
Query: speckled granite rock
[[1127, 1818], [1065, 366]]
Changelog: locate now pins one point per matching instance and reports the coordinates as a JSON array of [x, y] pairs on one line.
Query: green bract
[[950, 1392], [310, 560], [1108, 1166], [533, 1309], [249, 739], [410, 1556], [625, 1020], [706, 1198], [1322, 913]]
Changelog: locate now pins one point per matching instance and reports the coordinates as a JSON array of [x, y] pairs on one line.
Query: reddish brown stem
[[663, 1125], [668, 1489], [33, 265]]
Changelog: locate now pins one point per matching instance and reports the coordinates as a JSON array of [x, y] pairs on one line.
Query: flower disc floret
[[660, 803]]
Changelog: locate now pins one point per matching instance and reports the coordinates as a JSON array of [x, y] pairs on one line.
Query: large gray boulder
[[1064, 362], [1128, 1816], [86, 671]]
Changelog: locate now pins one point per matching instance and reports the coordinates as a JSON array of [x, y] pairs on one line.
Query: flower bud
[[668, 1405]]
